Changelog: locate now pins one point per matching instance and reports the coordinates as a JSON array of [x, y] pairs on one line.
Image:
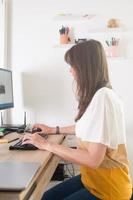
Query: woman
[[100, 132]]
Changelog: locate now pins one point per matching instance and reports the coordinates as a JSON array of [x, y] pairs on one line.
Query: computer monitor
[[6, 89]]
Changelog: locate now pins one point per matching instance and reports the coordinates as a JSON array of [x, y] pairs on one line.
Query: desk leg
[[45, 177]]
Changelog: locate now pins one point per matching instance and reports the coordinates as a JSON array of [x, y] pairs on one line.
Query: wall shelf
[[106, 30], [92, 30], [67, 46], [73, 17], [116, 58], [64, 45]]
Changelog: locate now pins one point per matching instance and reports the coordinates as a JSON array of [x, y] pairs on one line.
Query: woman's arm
[[52, 130], [92, 156], [68, 130]]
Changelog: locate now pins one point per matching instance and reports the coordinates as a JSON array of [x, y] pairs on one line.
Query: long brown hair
[[89, 62]]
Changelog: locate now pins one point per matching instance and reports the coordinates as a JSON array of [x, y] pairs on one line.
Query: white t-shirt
[[103, 121]]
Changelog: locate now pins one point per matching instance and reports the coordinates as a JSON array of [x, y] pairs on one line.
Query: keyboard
[[20, 146]]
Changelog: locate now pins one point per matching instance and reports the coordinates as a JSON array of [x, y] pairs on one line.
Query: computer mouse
[[34, 130], [20, 130]]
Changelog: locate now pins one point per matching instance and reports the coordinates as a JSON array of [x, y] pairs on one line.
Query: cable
[[68, 170]]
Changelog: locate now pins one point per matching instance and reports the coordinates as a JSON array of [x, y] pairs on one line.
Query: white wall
[[1, 32], [42, 84]]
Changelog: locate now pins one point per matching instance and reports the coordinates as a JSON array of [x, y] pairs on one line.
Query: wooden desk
[[42, 178]]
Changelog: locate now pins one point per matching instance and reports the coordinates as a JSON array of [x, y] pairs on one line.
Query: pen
[[107, 43], [113, 41], [64, 30], [13, 140], [7, 141]]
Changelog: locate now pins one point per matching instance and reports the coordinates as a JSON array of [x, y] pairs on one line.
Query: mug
[[112, 51], [64, 39]]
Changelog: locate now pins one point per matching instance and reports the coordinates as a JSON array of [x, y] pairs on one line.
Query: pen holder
[[64, 39], [112, 51]]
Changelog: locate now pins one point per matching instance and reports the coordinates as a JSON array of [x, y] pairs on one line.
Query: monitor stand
[[13, 127]]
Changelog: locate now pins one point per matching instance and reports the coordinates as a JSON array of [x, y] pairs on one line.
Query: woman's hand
[[45, 129], [36, 140]]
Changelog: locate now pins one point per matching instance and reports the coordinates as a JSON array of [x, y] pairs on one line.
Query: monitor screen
[[6, 89]]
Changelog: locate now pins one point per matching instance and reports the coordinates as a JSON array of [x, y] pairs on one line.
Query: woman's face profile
[[73, 72]]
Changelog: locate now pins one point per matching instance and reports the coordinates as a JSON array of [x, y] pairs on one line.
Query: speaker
[[59, 173]]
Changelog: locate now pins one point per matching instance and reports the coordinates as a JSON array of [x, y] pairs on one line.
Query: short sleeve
[[103, 121]]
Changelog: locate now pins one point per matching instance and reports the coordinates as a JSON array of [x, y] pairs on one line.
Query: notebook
[[16, 176]]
